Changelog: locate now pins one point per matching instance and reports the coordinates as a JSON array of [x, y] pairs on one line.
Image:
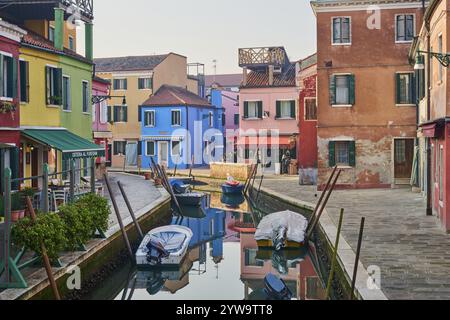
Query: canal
[[223, 262]]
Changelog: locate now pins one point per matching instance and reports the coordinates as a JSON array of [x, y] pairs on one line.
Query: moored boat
[[276, 288], [190, 198], [282, 230], [179, 187], [164, 246], [232, 188]]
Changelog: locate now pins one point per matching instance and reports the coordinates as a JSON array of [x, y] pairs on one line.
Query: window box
[[8, 107]]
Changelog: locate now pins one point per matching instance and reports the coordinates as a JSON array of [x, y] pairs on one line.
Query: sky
[[203, 30]]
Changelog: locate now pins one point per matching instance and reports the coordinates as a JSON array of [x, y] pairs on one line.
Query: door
[[403, 160], [35, 167], [131, 154], [163, 153]]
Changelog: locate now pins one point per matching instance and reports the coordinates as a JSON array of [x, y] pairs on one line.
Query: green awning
[[71, 145]]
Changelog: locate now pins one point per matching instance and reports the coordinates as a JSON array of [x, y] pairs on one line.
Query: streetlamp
[[443, 58], [100, 98]]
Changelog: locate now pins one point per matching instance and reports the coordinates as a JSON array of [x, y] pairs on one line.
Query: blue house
[[178, 126]]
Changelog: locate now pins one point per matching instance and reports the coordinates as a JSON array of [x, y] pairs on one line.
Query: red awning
[[264, 141], [430, 130]]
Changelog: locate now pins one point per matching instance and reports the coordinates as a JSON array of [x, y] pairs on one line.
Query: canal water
[[223, 262]]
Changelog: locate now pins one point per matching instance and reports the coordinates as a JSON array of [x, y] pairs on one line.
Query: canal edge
[[346, 255]]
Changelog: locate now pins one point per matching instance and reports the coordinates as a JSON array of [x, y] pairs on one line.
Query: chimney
[[244, 79], [271, 75], [59, 29]]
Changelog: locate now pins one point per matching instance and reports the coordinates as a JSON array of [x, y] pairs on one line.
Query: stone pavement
[[410, 248]]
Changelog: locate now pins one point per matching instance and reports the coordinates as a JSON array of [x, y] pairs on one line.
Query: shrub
[[78, 225], [47, 229], [98, 208]]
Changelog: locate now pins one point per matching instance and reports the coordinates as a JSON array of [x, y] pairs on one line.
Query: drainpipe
[[188, 133], [429, 60]]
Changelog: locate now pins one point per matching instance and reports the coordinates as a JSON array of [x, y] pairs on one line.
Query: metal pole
[[93, 175], [119, 218], [48, 267], [358, 254], [322, 208], [323, 194], [133, 216], [72, 180], [335, 253], [45, 195]]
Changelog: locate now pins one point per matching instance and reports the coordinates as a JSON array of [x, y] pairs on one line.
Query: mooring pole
[[119, 218], [48, 267], [358, 254], [335, 253], [319, 203], [7, 204], [259, 189], [92, 173], [133, 216]]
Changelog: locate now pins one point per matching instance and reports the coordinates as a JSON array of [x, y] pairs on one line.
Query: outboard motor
[[276, 289], [279, 238], [156, 252]]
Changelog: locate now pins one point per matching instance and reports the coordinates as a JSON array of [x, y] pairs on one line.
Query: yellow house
[[137, 78]]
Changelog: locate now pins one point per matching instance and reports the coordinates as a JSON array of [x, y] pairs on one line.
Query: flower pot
[[158, 181], [15, 215], [147, 176]]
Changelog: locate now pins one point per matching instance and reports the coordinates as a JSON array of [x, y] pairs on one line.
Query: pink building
[[268, 106], [102, 134], [230, 102]]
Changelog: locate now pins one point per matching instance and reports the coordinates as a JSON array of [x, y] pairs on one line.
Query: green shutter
[[14, 165], [109, 114], [58, 83], [413, 88], [351, 85], [332, 153], [116, 114], [125, 85], [352, 153], [278, 115], [397, 89], [332, 89], [140, 114], [10, 79], [125, 112], [47, 85], [15, 78], [139, 148], [24, 81], [245, 110], [293, 111], [260, 109]]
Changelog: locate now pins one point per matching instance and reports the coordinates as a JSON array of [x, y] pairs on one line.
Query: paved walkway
[[410, 248]]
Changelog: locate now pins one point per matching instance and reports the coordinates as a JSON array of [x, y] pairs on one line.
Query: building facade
[[179, 126], [101, 132], [434, 112], [366, 96], [307, 117], [137, 78], [268, 106]]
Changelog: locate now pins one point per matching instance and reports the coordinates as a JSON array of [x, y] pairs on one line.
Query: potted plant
[[55, 100], [8, 107], [17, 207]]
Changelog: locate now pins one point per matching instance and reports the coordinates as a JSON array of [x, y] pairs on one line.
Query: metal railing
[[11, 262]]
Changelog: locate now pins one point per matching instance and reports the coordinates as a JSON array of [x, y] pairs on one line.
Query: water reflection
[[224, 262]]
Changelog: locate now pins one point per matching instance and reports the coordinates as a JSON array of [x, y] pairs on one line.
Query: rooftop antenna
[[215, 69]]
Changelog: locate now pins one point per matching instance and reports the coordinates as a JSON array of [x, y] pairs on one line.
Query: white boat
[[164, 246], [282, 230]]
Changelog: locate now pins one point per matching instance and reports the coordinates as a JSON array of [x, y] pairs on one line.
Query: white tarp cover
[[295, 223]]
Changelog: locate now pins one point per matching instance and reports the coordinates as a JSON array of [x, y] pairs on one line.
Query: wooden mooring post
[[358, 254], [119, 217], [335, 254], [130, 209], [319, 203]]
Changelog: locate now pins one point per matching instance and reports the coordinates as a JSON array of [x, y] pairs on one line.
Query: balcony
[[257, 58], [21, 10]]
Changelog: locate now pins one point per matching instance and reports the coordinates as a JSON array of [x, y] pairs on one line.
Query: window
[[176, 148], [342, 153], [341, 30], [251, 258], [24, 81], [286, 110], [145, 83], [71, 43], [51, 33], [103, 112], [120, 84], [253, 110], [149, 119], [120, 147], [176, 118], [66, 94], [310, 109], [211, 119], [53, 85], [405, 88], [150, 148], [441, 67], [86, 96], [400, 151], [120, 114], [342, 90], [8, 77], [236, 119], [404, 28]]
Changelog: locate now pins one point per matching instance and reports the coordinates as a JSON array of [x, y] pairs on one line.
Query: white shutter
[[94, 111], [103, 112]]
